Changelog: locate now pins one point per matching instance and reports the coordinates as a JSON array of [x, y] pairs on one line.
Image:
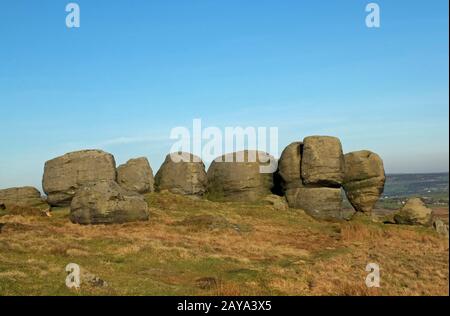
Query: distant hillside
[[431, 187], [430, 184]]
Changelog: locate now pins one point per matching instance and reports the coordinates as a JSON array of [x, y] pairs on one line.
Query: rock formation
[[364, 179], [311, 174], [238, 177], [22, 196], [182, 173], [136, 175], [105, 202], [64, 175]]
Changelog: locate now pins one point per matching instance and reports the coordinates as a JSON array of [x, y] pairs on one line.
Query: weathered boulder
[[440, 227], [364, 179], [289, 164], [21, 196], [106, 202], [414, 212], [182, 173], [136, 175], [319, 202], [238, 177], [64, 175], [322, 161]]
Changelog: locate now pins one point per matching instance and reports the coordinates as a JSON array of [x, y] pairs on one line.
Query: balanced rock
[[289, 164], [238, 176], [106, 202], [322, 161], [136, 175], [319, 202], [182, 173], [364, 179], [414, 212], [21, 196], [64, 175]]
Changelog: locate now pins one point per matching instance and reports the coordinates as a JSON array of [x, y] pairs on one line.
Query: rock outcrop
[[414, 212], [322, 161], [238, 177], [289, 167], [364, 179], [21, 196], [310, 175], [182, 173], [319, 202], [64, 175], [136, 175], [105, 202]]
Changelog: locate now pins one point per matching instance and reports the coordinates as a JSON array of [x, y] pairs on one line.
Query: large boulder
[[182, 173], [289, 174], [21, 196], [64, 175], [106, 202], [238, 176], [319, 202], [136, 175], [364, 179], [322, 161], [414, 212]]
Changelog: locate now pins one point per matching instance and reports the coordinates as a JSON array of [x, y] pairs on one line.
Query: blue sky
[[136, 69]]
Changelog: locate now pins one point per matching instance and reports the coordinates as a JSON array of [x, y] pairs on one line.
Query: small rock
[[206, 283], [414, 212], [92, 279], [278, 202], [440, 227]]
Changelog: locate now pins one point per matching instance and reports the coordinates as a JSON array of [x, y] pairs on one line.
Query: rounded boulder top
[[238, 176], [65, 174], [136, 175], [182, 173]]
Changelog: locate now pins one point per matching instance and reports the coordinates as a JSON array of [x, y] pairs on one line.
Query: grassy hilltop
[[198, 247]]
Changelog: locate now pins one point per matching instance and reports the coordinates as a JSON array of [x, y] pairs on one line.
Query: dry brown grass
[[246, 249]]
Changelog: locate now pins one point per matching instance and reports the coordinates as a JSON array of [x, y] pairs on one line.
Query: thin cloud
[[125, 140]]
